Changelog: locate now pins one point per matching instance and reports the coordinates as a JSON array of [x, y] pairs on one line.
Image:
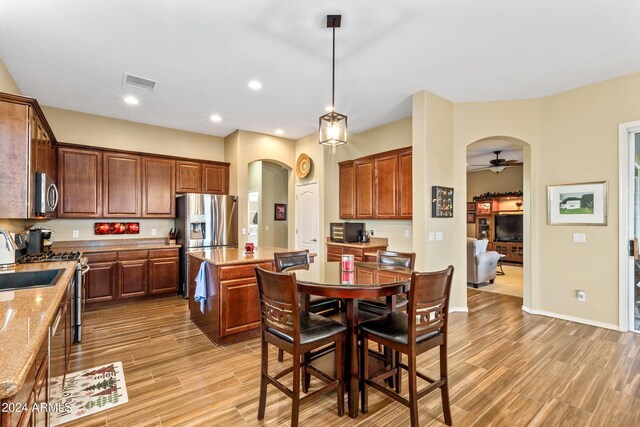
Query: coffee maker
[[39, 241]]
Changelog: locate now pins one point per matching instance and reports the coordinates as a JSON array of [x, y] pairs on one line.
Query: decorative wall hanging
[[117, 228], [488, 195], [101, 228], [441, 202], [132, 228], [471, 207], [280, 212], [577, 204], [303, 166], [471, 217], [104, 228]]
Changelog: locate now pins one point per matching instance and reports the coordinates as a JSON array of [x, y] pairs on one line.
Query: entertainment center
[[500, 220]]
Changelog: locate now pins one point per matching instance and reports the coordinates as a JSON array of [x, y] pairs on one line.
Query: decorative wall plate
[[303, 166]]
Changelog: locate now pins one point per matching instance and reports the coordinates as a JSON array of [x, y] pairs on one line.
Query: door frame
[[297, 222], [625, 216]]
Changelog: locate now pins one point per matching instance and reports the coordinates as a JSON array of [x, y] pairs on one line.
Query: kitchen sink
[[28, 279]]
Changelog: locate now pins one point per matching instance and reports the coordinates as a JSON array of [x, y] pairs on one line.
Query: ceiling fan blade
[[512, 162]]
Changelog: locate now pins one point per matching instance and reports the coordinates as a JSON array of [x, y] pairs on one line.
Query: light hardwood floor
[[506, 368]]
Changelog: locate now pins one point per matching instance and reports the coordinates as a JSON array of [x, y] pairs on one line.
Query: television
[[508, 228]]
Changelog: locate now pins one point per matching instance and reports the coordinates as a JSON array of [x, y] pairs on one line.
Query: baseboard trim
[[458, 309], [572, 319]]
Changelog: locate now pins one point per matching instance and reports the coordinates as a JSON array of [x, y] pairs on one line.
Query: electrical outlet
[[406, 233], [266, 228], [244, 231], [372, 232], [154, 232], [438, 235], [75, 234], [579, 238], [581, 295]]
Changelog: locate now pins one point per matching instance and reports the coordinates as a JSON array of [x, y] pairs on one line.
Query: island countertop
[[236, 256], [25, 316]]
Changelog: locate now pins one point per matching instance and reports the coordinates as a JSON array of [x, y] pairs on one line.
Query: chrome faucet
[[7, 251]]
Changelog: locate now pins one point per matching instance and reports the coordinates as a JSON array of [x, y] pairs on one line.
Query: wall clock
[[303, 166]]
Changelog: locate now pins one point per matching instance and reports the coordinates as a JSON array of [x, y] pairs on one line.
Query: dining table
[[366, 280]]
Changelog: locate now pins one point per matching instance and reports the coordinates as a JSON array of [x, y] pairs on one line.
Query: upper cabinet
[[188, 177], [377, 186], [26, 147], [80, 182], [122, 187], [215, 178], [158, 187]]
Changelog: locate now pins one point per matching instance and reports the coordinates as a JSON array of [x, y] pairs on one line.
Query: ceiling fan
[[497, 165]]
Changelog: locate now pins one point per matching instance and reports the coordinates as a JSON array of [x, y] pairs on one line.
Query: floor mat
[[87, 392]]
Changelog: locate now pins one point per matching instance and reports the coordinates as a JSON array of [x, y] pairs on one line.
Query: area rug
[[87, 392], [509, 284]]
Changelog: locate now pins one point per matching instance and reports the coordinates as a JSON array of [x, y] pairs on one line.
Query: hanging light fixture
[[333, 125]]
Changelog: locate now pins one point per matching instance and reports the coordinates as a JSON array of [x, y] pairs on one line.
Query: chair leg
[[306, 377], [340, 373], [413, 390], [263, 378], [364, 375], [280, 355], [444, 389], [295, 407], [398, 361]]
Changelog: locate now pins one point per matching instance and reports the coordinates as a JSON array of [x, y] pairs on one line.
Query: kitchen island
[[232, 309]]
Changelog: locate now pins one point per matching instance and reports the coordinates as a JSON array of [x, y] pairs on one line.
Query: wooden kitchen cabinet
[[347, 190], [158, 187], [122, 189], [80, 183], [164, 267], [364, 176], [101, 278], [405, 184], [386, 187], [132, 274], [188, 177], [358, 250], [215, 178]]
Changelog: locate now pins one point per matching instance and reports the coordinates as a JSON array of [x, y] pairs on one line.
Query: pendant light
[[333, 125]]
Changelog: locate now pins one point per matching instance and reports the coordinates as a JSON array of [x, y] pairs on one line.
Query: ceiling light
[[255, 85], [216, 118], [131, 100], [333, 126], [497, 169], [279, 132], [328, 108]]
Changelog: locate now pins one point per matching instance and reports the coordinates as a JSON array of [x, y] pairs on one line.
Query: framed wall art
[[280, 212], [471, 217], [577, 204], [441, 202], [471, 206]]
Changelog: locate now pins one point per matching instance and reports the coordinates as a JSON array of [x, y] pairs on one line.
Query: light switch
[[438, 235], [266, 227], [154, 232], [244, 231], [432, 236], [579, 238], [75, 234], [406, 233]]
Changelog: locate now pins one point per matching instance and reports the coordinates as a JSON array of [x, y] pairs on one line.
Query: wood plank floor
[[506, 368]]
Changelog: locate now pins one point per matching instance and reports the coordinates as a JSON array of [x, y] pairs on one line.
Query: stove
[[49, 257]]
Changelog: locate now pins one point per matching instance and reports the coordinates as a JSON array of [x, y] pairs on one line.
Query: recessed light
[[255, 85], [279, 132], [216, 118], [131, 100]]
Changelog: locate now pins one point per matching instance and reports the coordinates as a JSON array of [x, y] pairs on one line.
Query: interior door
[[307, 217], [634, 232]]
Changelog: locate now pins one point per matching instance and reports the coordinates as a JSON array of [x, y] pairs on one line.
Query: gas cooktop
[[49, 257]]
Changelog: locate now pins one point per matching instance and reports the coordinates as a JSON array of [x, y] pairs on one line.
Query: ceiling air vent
[[139, 82]]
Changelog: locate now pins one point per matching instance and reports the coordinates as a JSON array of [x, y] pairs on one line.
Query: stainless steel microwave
[[46, 195], [345, 232]]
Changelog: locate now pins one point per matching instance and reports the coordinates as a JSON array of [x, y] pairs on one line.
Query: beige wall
[[7, 83], [275, 188], [485, 181]]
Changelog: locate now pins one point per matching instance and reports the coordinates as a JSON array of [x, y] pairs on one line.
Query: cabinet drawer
[[101, 257], [333, 257], [331, 249], [132, 255], [163, 253], [232, 272], [354, 251]]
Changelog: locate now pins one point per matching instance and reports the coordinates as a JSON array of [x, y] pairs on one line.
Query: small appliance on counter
[[39, 241], [346, 232], [365, 235]]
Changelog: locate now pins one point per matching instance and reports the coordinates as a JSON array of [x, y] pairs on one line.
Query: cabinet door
[[188, 177], [158, 188], [405, 185], [132, 278], [347, 191], [163, 275], [122, 189], [386, 187], [99, 281], [364, 188], [215, 179], [80, 183], [364, 275], [240, 306]]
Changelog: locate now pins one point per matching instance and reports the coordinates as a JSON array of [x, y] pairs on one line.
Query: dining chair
[[424, 326], [318, 304], [297, 332], [391, 259]]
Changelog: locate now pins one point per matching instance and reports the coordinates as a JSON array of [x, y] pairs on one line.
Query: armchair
[[481, 265]]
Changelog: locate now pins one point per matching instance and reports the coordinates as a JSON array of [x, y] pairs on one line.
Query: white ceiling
[[72, 54], [481, 152]]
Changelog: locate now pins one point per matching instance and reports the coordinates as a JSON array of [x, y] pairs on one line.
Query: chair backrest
[[279, 301], [429, 302], [285, 260], [398, 259], [476, 247]]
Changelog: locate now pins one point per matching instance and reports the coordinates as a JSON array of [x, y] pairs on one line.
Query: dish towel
[[201, 286]]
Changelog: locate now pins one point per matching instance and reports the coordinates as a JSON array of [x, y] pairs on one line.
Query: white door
[[307, 217]]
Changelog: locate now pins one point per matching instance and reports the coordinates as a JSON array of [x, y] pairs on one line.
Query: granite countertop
[[25, 316], [374, 242], [112, 245], [236, 256]]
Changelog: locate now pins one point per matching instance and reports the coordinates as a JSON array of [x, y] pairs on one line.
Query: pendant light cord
[[333, 73]]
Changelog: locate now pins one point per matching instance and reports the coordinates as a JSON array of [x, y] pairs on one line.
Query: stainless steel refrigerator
[[204, 221]]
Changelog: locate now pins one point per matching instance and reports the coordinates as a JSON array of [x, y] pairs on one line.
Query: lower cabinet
[[358, 250], [512, 251], [130, 274]]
